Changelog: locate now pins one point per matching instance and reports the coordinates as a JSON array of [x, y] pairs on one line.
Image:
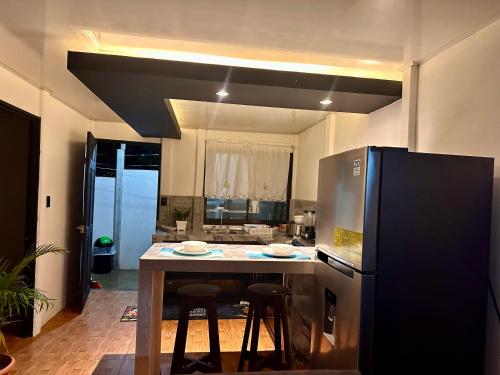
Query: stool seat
[[267, 290], [198, 291]]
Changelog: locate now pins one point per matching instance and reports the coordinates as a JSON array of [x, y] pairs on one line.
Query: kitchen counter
[[152, 266], [173, 236]]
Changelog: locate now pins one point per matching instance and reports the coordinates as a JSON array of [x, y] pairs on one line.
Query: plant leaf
[[16, 296]]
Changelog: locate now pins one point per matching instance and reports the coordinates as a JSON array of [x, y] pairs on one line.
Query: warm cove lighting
[[233, 55], [370, 62], [326, 102], [222, 93]]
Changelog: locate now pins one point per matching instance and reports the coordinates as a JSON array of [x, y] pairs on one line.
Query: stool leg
[[213, 332], [255, 336], [244, 346], [277, 333], [286, 336], [178, 358]]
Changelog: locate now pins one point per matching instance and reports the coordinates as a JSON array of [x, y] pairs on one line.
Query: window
[[234, 185], [234, 209], [240, 211]]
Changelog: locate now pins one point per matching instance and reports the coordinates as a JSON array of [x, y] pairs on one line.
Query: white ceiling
[[245, 118], [357, 37]]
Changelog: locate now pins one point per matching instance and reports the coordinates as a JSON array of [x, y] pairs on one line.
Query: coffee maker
[[308, 231]]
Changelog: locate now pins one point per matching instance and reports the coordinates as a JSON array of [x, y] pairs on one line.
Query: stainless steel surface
[[222, 231], [341, 205], [309, 218], [339, 350], [299, 219], [291, 228], [299, 229]]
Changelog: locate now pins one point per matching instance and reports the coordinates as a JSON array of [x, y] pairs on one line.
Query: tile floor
[[118, 280], [96, 342]]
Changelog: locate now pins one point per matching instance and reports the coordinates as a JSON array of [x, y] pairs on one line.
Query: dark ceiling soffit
[[136, 88], [143, 109]]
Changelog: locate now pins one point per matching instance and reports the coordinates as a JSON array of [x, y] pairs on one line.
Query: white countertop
[[234, 259]]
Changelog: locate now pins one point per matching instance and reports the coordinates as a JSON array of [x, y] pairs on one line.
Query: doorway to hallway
[[125, 210]]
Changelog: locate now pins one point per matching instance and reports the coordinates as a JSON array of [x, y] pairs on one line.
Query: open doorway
[[125, 210], [19, 167]]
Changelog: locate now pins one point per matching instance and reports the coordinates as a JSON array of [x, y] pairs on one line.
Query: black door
[[88, 218], [19, 164]]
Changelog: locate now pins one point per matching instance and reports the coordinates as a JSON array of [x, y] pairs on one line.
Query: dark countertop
[[173, 236]]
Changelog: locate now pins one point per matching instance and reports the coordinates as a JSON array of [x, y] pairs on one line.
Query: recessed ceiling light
[[326, 102], [222, 93]]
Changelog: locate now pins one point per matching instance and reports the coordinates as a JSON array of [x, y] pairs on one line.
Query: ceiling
[[222, 116], [367, 38], [135, 88]]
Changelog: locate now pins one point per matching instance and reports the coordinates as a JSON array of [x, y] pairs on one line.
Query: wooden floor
[[96, 342]]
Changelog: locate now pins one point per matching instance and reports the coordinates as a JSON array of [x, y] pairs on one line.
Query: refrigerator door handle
[[341, 268]]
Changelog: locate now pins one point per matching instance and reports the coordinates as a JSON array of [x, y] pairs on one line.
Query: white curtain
[[245, 170], [226, 171], [268, 170]]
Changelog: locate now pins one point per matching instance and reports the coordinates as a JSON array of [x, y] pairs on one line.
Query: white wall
[[459, 113], [18, 92], [179, 163], [138, 213], [104, 205], [183, 161], [313, 144], [62, 153], [341, 132], [63, 134], [138, 221], [379, 128]]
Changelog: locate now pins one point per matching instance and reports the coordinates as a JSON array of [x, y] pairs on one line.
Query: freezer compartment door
[[341, 205], [340, 322], [348, 206]]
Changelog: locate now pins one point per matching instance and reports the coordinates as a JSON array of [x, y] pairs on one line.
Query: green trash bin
[[104, 253]]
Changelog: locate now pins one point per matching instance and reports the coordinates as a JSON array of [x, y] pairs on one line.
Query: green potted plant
[[17, 296], [181, 216]]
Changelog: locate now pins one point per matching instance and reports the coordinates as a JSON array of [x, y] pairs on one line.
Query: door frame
[[32, 198]]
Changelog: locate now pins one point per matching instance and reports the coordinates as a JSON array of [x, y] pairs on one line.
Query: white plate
[[270, 253], [194, 246], [281, 246], [182, 251]]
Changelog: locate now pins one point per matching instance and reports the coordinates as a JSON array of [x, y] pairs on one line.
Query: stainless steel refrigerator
[[403, 240]]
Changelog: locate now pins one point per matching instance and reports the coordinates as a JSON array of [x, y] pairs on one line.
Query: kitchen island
[[154, 263]]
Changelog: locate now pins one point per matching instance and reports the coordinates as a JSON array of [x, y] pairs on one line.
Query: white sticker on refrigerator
[[356, 170]]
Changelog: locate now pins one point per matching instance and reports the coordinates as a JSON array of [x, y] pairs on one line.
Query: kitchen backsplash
[[298, 206], [168, 204]]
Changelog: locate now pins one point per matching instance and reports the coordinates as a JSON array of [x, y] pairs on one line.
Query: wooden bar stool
[[195, 296], [261, 296]]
